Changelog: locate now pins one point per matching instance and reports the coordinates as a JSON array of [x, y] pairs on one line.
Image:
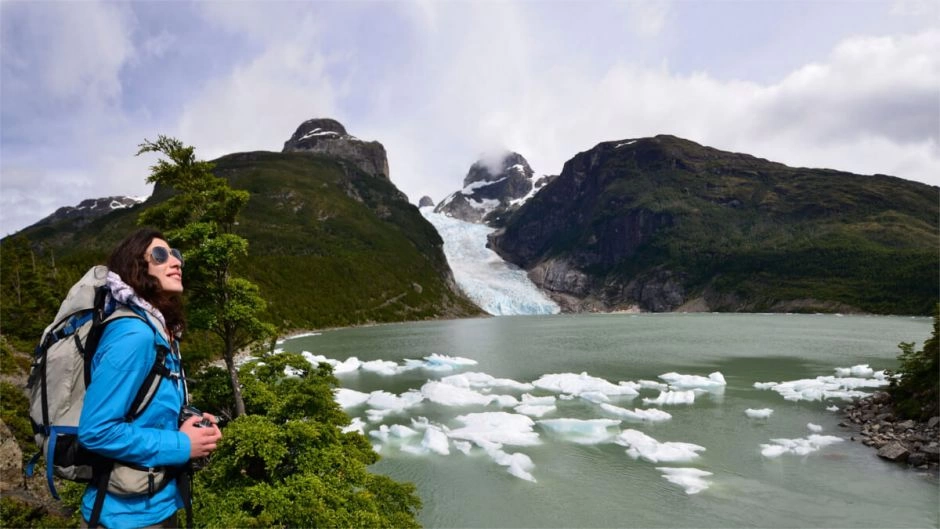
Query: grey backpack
[[60, 374]]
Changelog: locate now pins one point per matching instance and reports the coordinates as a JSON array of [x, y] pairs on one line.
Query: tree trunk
[[233, 376]]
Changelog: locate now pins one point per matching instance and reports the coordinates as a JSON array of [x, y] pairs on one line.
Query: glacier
[[498, 287]]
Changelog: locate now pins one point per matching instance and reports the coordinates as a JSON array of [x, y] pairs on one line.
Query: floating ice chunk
[[595, 396], [348, 398], [861, 371], [356, 425], [761, 413], [814, 427], [462, 446], [844, 384], [581, 431], [534, 410], [435, 440], [347, 366], [316, 360], [672, 397], [384, 400], [832, 408], [573, 384], [505, 401], [439, 362], [689, 479], [538, 401], [640, 445], [518, 464], [498, 427], [381, 434], [378, 415], [485, 381], [651, 415], [448, 395], [652, 384], [800, 447], [419, 423], [714, 382], [382, 367]]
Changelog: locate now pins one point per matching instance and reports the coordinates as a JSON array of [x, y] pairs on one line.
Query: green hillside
[[329, 244], [734, 232]]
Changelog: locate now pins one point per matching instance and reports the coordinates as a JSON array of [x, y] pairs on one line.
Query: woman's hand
[[202, 439]]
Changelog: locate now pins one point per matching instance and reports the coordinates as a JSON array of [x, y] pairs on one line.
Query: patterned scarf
[[123, 293]]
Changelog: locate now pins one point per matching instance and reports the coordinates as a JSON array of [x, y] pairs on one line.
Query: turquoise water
[[599, 485]]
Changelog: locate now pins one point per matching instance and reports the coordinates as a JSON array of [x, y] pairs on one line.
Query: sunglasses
[[160, 254]]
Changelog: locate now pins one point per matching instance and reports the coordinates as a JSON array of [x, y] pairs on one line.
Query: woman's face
[[169, 273]]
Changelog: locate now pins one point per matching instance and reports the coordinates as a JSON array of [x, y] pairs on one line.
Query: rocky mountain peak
[[491, 190], [328, 136], [90, 209], [425, 201]]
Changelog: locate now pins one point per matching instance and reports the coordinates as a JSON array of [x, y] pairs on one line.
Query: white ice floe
[[439, 362], [690, 479], [534, 410], [356, 425], [398, 431], [714, 382], [434, 441], [832, 408], [349, 398], [640, 445], [462, 446], [595, 396], [672, 397], [382, 367], [652, 384], [843, 385], [517, 464], [581, 431], [650, 415], [812, 443], [449, 395], [814, 427], [760, 413], [573, 384], [384, 400], [484, 381], [496, 428]]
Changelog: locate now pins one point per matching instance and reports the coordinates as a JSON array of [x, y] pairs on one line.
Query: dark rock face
[[89, 210], [328, 136], [425, 201], [488, 197], [902, 441]]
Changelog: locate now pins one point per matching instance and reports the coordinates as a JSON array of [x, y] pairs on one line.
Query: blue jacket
[[125, 355]]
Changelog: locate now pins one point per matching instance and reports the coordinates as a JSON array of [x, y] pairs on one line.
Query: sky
[[852, 85]]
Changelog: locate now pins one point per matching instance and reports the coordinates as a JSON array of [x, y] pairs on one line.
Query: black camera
[[191, 411]]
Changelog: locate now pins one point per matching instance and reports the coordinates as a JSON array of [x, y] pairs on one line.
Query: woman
[[145, 276]]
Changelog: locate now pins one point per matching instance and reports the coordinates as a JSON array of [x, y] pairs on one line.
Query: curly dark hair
[[129, 261]]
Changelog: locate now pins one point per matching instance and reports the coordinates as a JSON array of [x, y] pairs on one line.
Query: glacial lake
[[595, 448]]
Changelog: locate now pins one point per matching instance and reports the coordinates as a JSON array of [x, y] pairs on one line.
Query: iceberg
[[808, 445], [641, 446], [842, 385], [761, 413], [690, 479], [485, 381], [672, 397], [714, 382], [573, 384], [498, 428], [581, 431], [449, 395], [349, 398], [651, 415]]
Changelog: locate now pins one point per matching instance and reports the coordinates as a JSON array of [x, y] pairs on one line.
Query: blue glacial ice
[[498, 287]]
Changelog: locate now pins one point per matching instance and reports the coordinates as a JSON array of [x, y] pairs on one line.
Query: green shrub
[[916, 391]]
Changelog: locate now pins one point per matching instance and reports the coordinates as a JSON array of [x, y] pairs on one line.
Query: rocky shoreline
[[904, 441]]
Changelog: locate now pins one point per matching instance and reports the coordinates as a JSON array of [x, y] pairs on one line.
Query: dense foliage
[[200, 217], [916, 391], [287, 463]]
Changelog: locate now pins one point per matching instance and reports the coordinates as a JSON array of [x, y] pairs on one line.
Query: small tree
[[201, 217], [916, 391]]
